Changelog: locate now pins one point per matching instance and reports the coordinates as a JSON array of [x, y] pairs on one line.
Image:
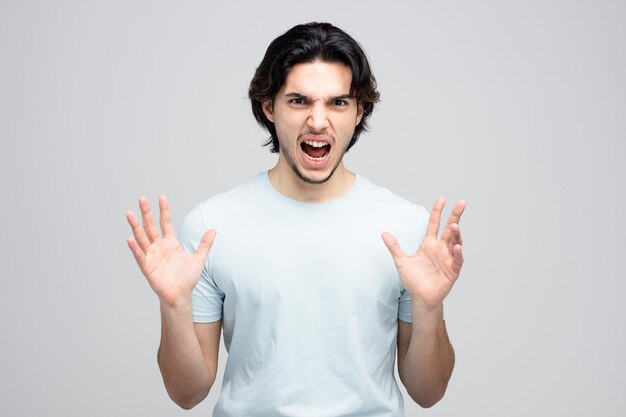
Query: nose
[[318, 119]]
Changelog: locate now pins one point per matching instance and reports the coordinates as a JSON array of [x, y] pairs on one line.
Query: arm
[[187, 356], [188, 352], [425, 356]]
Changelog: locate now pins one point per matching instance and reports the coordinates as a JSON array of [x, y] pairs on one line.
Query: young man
[[312, 303]]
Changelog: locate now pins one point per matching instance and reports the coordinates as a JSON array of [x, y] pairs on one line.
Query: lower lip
[[314, 164]]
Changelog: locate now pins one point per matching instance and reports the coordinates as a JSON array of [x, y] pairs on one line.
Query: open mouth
[[315, 150]]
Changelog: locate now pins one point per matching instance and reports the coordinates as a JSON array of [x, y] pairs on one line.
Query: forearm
[[184, 370], [429, 360]]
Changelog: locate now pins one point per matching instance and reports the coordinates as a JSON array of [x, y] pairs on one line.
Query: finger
[[137, 252], [148, 223], [205, 245], [138, 233], [393, 246], [454, 218], [435, 218], [457, 259], [165, 218], [455, 237]]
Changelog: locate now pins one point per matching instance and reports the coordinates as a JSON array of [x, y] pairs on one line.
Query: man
[[312, 304]]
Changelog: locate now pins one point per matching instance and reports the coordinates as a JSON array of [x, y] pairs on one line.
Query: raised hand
[[171, 272], [430, 273]]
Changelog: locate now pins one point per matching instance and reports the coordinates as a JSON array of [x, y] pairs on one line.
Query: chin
[[313, 180]]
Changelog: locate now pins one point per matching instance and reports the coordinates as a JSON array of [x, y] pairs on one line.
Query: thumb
[[392, 244], [205, 244]]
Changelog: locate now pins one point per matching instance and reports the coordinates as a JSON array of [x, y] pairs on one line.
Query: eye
[[341, 103], [296, 101]]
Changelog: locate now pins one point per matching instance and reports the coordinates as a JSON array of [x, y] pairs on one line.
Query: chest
[[321, 264]]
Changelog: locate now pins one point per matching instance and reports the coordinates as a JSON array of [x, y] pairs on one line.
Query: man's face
[[314, 116]]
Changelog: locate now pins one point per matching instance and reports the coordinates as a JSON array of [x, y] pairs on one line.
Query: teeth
[[315, 144], [321, 158]]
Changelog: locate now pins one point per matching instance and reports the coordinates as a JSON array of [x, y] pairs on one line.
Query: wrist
[[426, 309], [180, 303]]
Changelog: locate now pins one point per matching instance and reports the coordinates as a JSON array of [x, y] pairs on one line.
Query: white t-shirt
[[309, 298]]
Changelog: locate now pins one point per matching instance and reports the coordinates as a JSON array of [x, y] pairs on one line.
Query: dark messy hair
[[308, 43]]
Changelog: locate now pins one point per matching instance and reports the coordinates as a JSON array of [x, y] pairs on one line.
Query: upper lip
[[315, 138]]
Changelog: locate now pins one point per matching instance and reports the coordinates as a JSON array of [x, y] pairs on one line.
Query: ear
[[268, 109], [359, 113]]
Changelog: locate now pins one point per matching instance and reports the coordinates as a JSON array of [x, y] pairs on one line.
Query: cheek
[[345, 126], [288, 126], [286, 135]]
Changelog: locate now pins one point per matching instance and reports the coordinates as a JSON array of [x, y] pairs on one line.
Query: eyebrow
[[306, 98]]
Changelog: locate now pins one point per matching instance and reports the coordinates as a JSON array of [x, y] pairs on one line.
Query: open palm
[[170, 270], [429, 274]]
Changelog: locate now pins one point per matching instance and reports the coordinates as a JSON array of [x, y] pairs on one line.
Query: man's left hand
[[430, 273]]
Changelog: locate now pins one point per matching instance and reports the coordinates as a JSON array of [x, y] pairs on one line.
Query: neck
[[286, 182]]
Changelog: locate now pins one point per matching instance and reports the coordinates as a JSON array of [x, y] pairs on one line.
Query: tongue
[[315, 152]]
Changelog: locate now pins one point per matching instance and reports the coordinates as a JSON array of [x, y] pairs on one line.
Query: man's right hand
[[171, 272]]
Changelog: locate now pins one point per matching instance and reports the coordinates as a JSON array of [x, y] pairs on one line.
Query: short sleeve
[[404, 307], [207, 298]]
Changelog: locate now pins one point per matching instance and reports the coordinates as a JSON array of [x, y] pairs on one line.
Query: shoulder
[[232, 203], [371, 193], [387, 211], [221, 207], [243, 193]]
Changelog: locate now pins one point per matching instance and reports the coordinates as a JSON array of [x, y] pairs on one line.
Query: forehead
[[318, 79]]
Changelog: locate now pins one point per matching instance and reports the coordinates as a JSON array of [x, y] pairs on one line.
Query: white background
[[517, 106]]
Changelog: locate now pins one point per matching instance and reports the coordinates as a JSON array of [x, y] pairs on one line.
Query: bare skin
[[313, 103], [425, 355], [188, 352]]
